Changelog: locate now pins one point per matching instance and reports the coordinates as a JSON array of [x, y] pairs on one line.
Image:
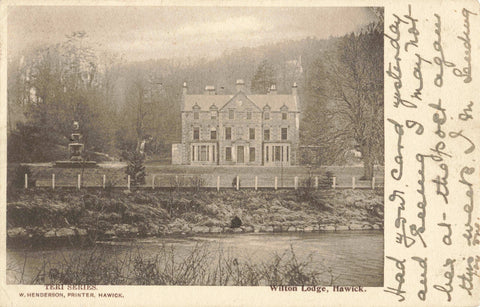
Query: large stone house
[[238, 129]]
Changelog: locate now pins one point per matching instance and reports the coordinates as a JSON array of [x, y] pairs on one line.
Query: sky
[[142, 33]]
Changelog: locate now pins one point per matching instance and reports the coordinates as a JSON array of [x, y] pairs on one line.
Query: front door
[[240, 154]]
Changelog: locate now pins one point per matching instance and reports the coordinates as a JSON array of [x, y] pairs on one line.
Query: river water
[[355, 257]]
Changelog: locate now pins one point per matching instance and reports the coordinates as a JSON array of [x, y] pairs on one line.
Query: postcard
[[217, 153]]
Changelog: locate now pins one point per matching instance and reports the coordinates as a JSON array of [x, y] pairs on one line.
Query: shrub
[[319, 202], [91, 202], [197, 182], [236, 222], [326, 181], [234, 182], [110, 184], [101, 267], [16, 180], [135, 167], [306, 188], [177, 182]]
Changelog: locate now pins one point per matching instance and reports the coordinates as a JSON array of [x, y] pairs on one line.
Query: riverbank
[[45, 217]]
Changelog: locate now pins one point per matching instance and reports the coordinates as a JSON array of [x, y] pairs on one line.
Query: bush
[[197, 182], [236, 222], [16, 180], [234, 182], [73, 213], [135, 168], [28, 143], [102, 267], [177, 182], [319, 202], [326, 181], [91, 202], [306, 188]]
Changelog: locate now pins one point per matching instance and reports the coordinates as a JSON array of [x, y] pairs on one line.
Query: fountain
[[76, 148]]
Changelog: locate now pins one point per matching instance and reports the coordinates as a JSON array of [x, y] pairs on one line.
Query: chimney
[[184, 88], [184, 93], [240, 85], [273, 90], [294, 89], [209, 90]]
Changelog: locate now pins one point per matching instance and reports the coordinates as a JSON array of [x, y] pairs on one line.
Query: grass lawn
[[166, 175], [266, 175]]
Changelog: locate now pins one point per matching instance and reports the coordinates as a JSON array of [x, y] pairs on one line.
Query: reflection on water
[[356, 258]]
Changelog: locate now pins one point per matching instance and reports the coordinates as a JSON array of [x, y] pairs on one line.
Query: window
[[287, 153], [203, 153], [266, 115], [252, 154], [284, 133], [266, 153], [228, 153], [231, 113], [228, 133], [277, 153], [213, 114], [252, 133], [266, 135], [196, 115], [284, 115], [213, 134], [249, 114], [196, 133], [193, 153]]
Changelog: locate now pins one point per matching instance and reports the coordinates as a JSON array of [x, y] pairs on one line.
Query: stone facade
[[238, 129]]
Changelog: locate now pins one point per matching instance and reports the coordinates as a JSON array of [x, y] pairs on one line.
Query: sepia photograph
[[195, 146]]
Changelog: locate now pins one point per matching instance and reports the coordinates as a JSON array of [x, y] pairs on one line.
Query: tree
[[346, 98], [54, 86], [136, 111], [320, 132], [263, 79], [358, 86]]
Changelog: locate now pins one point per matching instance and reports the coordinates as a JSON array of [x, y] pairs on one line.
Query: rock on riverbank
[[85, 216]]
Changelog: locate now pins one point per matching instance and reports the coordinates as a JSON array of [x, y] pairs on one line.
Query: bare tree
[[347, 102]]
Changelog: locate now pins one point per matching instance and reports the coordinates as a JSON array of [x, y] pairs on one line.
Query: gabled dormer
[[284, 111], [196, 111], [266, 112], [213, 112]]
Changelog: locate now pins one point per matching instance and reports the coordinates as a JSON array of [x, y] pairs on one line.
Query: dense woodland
[[120, 104]]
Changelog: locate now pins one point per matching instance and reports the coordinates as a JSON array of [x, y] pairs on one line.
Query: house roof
[[275, 102], [206, 101]]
